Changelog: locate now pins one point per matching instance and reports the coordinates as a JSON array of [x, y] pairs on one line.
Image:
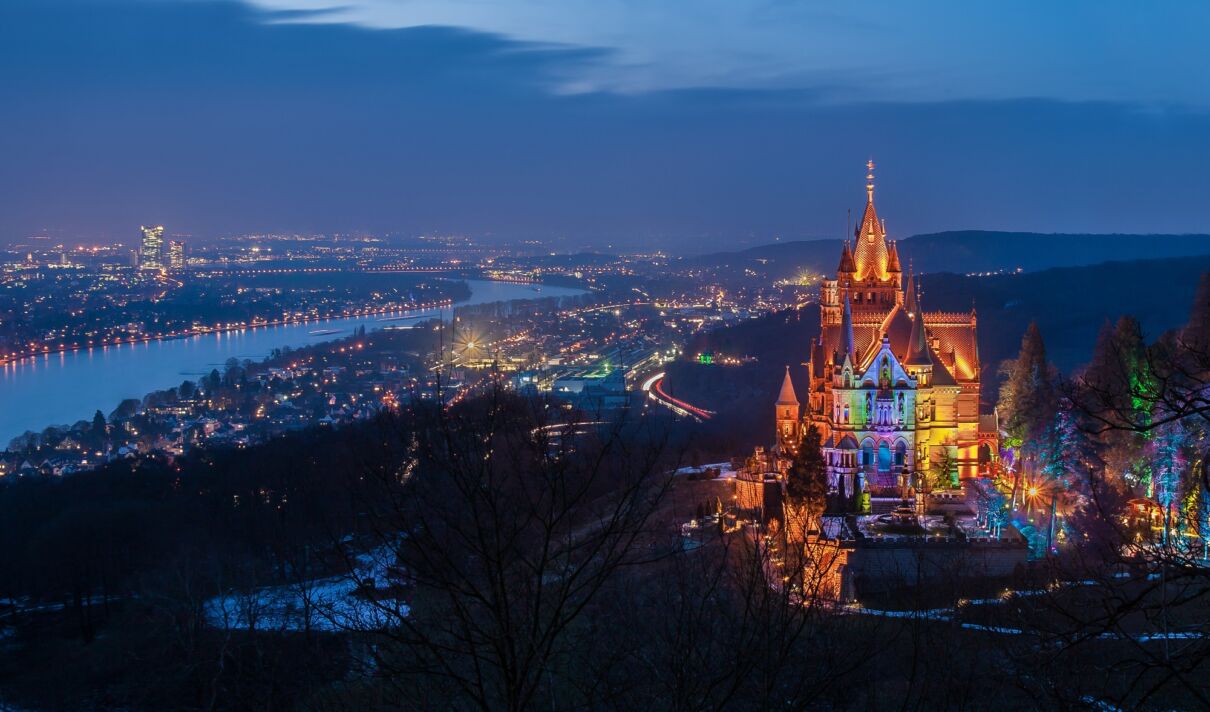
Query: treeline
[[1120, 439], [112, 570], [541, 562]]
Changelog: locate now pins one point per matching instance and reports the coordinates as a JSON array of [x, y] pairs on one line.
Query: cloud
[[879, 50], [217, 117]]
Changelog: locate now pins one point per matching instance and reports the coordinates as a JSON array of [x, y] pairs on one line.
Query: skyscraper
[[176, 254], [152, 255]]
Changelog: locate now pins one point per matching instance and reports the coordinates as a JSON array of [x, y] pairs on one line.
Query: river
[[62, 388]]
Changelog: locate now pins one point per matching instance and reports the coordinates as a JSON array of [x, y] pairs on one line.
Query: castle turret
[[848, 345], [919, 358], [847, 268], [892, 259], [786, 413]]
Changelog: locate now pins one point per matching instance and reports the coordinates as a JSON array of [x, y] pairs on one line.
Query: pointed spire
[[787, 396], [870, 251], [892, 260], [869, 180], [847, 266], [848, 343], [909, 292], [919, 353]]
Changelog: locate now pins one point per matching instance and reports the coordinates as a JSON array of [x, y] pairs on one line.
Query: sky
[[687, 125]]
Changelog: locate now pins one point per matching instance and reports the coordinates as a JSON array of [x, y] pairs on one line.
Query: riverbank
[[68, 386]]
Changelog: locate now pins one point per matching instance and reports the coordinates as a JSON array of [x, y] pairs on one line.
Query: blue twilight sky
[[686, 124]]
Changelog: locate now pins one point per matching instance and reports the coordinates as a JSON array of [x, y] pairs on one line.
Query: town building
[[176, 255], [151, 256]]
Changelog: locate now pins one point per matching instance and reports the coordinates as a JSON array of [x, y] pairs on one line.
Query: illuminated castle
[[894, 389]]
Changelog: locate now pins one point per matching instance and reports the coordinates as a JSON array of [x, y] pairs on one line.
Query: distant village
[[587, 352]]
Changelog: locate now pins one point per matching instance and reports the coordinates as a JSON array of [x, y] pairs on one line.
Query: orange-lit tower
[[893, 389]]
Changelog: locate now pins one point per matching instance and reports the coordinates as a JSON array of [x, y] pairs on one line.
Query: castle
[[893, 389]]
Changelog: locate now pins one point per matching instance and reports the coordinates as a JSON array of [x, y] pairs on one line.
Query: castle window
[[867, 455]]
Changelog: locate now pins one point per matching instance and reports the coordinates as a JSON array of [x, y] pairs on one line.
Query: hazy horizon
[[605, 125]]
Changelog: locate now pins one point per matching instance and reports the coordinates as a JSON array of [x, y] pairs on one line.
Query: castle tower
[[787, 415], [871, 254], [875, 278], [890, 387]]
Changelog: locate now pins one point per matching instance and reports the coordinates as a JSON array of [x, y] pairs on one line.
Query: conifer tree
[[807, 479], [1027, 397]]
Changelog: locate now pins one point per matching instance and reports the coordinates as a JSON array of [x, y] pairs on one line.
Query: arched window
[[900, 454], [867, 455], [884, 457]]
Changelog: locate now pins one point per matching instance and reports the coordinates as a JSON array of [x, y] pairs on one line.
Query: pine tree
[[1028, 396], [100, 431], [807, 478], [1118, 387]]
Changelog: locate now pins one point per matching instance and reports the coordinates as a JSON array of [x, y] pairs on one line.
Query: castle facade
[[893, 388]]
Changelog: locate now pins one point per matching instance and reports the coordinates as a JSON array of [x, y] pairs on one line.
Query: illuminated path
[[654, 387]]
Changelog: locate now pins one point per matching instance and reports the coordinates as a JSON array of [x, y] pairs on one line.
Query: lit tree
[[1028, 398]]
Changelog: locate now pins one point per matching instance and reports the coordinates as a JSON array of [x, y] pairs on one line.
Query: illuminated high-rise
[[176, 254], [152, 254]]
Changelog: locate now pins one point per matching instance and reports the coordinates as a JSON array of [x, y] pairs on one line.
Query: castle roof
[[787, 396], [892, 262], [955, 334], [847, 343], [870, 252], [847, 266], [870, 255], [918, 352]]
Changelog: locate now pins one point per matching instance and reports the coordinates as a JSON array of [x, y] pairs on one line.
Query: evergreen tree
[[98, 433], [1028, 395], [1118, 386], [98, 424], [807, 479], [1167, 468]]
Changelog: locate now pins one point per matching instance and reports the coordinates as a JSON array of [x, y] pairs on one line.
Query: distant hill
[[968, 251], [1070, 305]]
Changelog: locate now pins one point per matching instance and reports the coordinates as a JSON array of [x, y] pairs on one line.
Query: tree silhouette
[[807, 479]]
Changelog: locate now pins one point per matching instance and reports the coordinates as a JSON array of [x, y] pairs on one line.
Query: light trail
[[654, 387]]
